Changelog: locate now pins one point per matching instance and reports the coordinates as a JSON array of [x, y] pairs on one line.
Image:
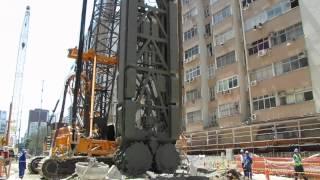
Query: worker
[[242, 158], [298, 167], [22, 163], [247, 165], [75, 138]]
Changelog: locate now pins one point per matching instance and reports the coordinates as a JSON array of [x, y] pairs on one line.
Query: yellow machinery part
[[86, 146], [90, 54]]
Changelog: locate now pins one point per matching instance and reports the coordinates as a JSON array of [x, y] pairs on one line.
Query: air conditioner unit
[[262, 52], [245, 7], [255, 28], [253, 83], [221, 43], [253, 116], [272, 34], [226, 92]]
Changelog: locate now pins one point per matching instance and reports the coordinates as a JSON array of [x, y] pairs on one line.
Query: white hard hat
[[247, 152], [296, 150], [241, 151]]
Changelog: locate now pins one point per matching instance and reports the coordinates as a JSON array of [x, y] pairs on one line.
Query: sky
[[54, 27]]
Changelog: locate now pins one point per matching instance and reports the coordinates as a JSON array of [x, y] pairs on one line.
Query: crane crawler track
[[54, 168]]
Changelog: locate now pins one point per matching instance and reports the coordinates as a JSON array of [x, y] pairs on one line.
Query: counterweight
[[18, 81]]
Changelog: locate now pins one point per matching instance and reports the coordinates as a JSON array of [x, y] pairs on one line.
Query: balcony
[[228, 96], [227, 71], [257, 7], [189, 85], [193, 103], [276, 53], [274, 25], [219, 5], [227, 23], [286, 111], [229, 121], [192, 61], [194, 126], [224, 47], [295, 79]]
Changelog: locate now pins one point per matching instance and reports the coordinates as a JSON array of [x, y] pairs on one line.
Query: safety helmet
[[241, 150], [296, 150]]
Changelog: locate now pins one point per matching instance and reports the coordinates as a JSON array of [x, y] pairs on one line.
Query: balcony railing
[[279, 133]]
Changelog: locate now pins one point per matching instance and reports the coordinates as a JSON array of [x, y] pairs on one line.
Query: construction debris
[[91, 170]]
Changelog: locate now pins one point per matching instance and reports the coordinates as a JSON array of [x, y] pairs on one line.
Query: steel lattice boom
[[103, 38], [15, 124]]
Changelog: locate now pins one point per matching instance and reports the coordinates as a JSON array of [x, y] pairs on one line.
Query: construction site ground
[[14, 173], [201, 163]]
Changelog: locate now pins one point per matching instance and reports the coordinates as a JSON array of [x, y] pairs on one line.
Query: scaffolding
[[302, 131]]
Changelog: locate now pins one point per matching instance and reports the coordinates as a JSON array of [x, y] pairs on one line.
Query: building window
[[211, 70], [245, 3], [226, 59], [291, 64], [296, 97], [188, 15], [192, 73], [209, 49], [213, 2], [221, 15], [208, 29], [264, 102], [230, 109], [294, 3], [225, 36], [185, 2], [191, 53], [193, 116], [262, 74], [207, 12], [227, 84], [212, 93], [275, 11], [191, 33], [289, 34], [193, 95], [212, 120], [259, 45]]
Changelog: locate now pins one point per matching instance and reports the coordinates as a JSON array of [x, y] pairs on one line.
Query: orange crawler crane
[[63, 158]]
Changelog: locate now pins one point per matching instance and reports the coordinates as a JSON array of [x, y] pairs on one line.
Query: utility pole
[[39, 121]]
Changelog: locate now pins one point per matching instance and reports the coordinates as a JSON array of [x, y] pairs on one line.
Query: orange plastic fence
[[283, 166]]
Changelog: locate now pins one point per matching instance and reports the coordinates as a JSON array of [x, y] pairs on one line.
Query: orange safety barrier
[[3, 162], [282, 166]]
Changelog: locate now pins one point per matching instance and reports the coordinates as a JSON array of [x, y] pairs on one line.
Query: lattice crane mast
[[14, 123]]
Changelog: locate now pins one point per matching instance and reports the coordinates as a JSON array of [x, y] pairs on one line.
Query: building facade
[[34, 117], [248, 61], [3, 122]]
